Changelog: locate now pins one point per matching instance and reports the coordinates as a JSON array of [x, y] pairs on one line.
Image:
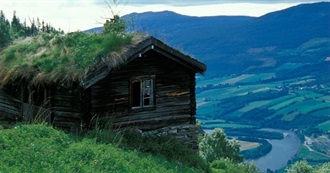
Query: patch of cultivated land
[[305, 104], [244, 145]]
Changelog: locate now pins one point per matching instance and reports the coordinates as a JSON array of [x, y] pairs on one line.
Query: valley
[[248, 102]]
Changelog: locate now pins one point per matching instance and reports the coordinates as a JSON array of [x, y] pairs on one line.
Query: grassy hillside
[[40, 148]]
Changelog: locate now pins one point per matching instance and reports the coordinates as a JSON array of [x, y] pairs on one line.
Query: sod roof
[[79, 57]]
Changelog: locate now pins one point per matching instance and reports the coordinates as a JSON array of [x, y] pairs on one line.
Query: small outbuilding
[[147, 85]]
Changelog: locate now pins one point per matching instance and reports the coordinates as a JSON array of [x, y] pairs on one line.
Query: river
[[282, 151]]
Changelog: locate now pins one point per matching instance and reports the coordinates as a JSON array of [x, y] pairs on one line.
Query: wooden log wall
[[66, 105], [10, 105], [175, 103]]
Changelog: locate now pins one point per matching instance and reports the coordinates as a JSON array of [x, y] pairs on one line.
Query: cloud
[[229, 9], [73, 15], [207, 2]]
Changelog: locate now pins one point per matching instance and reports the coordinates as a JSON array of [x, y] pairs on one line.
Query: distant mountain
[[235, 44]]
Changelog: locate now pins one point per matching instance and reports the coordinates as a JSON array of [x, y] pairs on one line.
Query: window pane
[[146, 102], [147, 93], [142, 93], [136, 89], [147, 84]]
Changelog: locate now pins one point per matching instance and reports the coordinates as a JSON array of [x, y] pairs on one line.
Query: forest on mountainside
[[16, 28]]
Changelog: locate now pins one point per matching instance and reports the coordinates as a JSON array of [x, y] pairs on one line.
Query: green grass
[[211, 124], [201, 82], [253, 105], [307, 106], [322, 112], [289, 66], [39, 148], [258, 77], [286, 103], [290, 116], [237, 79], [325, 126], [305, 154], [222, 93], [208, 109], [227, 125], [309, 94], [58, 57], [217, 121], [326, 98], [303, 106]]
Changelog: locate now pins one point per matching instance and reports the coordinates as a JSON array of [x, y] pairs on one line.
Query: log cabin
[[149, 86]]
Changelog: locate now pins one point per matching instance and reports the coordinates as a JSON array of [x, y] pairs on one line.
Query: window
[[142, 92]]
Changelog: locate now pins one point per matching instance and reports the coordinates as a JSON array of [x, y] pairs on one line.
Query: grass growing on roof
[[53, 57]]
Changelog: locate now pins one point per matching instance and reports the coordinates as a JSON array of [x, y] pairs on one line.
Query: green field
[[237, 79], [309, 94], [222, 93], [306, 154], [289, 66], [201, 82], [321, 113], [258, 77], [300, 103], [285, 103], [325, 126], [227, 125], [254, 105]]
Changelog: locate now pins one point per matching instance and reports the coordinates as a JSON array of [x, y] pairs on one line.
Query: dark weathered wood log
[[57, 113], [9, 105]]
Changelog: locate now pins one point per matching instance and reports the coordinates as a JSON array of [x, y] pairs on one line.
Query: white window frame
[[146, 92]]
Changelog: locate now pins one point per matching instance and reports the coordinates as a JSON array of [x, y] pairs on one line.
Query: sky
[[74, 15]]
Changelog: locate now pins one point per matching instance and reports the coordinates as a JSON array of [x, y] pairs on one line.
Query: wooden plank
[[57, 114]]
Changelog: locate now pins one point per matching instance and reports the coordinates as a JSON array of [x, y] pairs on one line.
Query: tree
[[17, 29], [114, 24], [325, 168], [215, 146], [4, 30], [300, 167], [304, 167]]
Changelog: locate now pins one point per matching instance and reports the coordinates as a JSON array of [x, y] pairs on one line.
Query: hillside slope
[[40, 148]]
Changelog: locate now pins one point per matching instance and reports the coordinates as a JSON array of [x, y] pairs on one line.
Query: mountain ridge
[[236, 44]]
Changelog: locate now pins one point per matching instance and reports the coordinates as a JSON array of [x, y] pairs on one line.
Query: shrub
[[300, 167], [228, 166], [216, 146]]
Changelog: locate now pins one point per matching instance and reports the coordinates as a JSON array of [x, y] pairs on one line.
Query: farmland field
[[244, 145], [247, 102], [324, 126], [227, 125], [305, 153]]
